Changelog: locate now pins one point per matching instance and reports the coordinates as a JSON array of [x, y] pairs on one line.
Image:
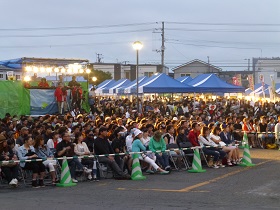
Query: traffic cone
[[65, 178], [136, 169], [196, 164], [246, 160]]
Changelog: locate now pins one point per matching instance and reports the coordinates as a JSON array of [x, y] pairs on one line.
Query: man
[[66, 148], [193, 134], [101, 147], [24, 131], [48, 134], [60, 97], [73, 82]]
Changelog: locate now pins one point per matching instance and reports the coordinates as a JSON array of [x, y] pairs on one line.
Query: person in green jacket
[[137, 146], [158, 146]]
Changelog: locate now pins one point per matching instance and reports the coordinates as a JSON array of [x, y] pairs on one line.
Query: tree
[[100, 75]]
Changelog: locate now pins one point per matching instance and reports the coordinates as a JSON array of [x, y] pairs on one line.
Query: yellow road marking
[[191, 188]]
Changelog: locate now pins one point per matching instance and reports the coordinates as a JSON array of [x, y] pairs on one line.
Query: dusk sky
[[226, 31]]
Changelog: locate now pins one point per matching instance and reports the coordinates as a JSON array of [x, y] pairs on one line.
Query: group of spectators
[[115, 126]]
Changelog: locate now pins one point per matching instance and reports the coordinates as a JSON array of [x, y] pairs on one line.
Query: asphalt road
[[225, 188]]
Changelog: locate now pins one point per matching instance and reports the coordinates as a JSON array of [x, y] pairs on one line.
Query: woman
[[137, 146], [204, 140], [27, 152], [52, 143], [44, 153], [215, 137], [10, 170], [145, 141], [248, 128], [81, 149], [156, 144]]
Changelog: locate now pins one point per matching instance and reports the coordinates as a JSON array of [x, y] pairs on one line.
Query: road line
[[191, 188]]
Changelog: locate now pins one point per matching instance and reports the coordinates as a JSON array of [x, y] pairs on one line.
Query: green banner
[[14, 98]]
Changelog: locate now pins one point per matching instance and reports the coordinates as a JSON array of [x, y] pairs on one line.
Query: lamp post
[[137, 46]]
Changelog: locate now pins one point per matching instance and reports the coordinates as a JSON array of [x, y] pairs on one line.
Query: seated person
[[81, 149], [52, 143], [44, 153], [101, 147], [27, 152], [66, 148], [10, 170], [217, 153], [137, 146], [156, 144], [215, 137], [43, 83]]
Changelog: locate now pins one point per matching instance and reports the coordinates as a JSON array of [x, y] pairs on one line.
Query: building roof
[[197, 60], [18, 62]]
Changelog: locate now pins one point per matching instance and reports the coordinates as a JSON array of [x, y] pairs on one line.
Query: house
[[194, 68], [268, 68]]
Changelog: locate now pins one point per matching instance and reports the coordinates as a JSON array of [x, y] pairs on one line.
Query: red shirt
[[193, 138], [55, 143], [59, 95]]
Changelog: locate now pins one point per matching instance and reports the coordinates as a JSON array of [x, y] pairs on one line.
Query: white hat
[[175, 118], [137, 132]]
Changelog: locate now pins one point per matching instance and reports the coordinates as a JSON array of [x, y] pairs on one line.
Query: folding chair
[[188, 154], [175, 157]]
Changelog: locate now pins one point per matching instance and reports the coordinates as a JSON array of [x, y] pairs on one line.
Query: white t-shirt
[[146, 141], [128, 142]]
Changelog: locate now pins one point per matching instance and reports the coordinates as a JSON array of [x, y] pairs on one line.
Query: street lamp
[[94, 79], [137, 46]]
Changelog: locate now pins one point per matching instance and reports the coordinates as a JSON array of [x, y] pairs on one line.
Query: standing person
[[60, 97], [43, 83]]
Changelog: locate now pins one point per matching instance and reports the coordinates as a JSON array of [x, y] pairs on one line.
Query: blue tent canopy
[[121, 90], [185, 79], [14, 63], [258, 88], [104, 84], [210, 83], [112, 88], [161, 83]]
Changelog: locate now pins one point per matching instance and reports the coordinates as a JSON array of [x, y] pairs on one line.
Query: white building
[[269, 68], [128, 71]]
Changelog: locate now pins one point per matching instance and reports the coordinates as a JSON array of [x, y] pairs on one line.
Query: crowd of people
[[116, 126]]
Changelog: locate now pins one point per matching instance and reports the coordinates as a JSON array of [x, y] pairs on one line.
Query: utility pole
[[208, 64], [162, 47], [98, 57]]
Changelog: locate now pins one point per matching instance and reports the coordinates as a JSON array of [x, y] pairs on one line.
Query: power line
[[202, 45], [223, 30], [72, 34], [225, 24], [76, 27]]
